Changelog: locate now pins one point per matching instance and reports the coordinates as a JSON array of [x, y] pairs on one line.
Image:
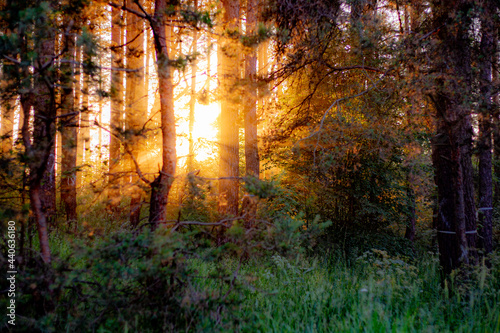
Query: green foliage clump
[[143, 282], [379, 293]]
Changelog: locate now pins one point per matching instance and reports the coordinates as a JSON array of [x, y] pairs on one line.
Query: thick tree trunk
[[452, 143], [485, 211], [69, 137], [228, 73], [160, 187], [136, 105]]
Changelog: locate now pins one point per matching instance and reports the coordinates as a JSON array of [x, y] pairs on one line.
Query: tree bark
[[39, 144], [251, 146], [453, 141], [412, 217], [6, 132], [160, 187], [228, 73], [116, 117], [496, 132], [487, 49], [192, 101], [69, 135], [252, 161], [136, 105], [83, 146]]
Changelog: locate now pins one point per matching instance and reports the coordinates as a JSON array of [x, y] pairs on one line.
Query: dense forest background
[[258, 165]]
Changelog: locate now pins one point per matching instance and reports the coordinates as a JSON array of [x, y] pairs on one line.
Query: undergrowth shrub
[[145, 282], [175, 279]]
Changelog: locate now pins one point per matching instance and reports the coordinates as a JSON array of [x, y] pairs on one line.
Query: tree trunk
[[160, 187], [228, 73], [69, 135], [136, 105], [251, 147], [40, 218], [252, 162], [496, 133], [452, 143], [6, 131], [485, 211], [82, 92], [116, 117], [192, 101], [39, 145], [412, 217]]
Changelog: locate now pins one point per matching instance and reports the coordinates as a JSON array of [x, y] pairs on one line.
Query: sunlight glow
[[204, 133]]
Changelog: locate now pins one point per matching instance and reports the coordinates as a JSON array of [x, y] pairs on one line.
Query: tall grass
[[378, 294]]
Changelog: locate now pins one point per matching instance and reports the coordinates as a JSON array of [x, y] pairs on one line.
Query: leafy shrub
[[145, 282]]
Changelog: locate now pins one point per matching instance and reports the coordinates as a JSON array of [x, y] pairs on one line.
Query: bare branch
[[128, 151], [125, 8], [347, 68]]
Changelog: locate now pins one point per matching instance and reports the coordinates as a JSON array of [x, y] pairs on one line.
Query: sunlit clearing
[[204, 133]]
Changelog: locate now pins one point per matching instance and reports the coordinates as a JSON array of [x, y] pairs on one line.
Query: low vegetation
[[284, 279]]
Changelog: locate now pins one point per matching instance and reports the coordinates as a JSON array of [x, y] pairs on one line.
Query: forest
[[250, 166]]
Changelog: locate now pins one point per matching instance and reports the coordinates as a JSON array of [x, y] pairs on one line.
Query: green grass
[[378, 294]]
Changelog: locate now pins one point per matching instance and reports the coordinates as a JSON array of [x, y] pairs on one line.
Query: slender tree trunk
[[69, 135], [252, 161], [160, 187], [263, 63], [136, 106], [411, 22], [41, 220], [44, 129], [496, 132], [192, 101], [39, 144], [6, 132], [485, 211], [251, 147], [116, 118], [412, 216], [228, 72], [82, 93]]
